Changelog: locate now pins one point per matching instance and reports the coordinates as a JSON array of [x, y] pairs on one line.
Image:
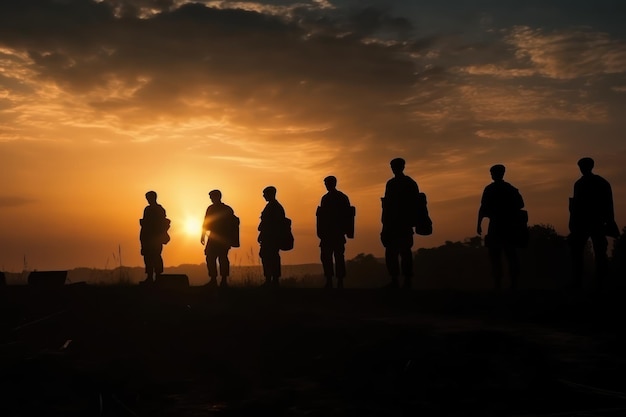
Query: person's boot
[[224, 282], [275, 283], [148, 281], [267, 283], [329, 283], [340, 283], [393, 284], [407, 283], [212, 283]]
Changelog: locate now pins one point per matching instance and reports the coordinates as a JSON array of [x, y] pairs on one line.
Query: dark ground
[[134, 351]]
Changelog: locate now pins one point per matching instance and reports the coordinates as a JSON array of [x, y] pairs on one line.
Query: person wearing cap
[[153, 235], [271, 230], [218, 223], [592, 217], [501, 203], [333, 220], [399, 208]]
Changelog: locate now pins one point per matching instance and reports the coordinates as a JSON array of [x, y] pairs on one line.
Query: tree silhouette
[[545, 264], [546, 261], [364, 270], [455, 265]]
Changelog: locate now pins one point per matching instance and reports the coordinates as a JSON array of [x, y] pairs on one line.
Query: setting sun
[[193, 227]]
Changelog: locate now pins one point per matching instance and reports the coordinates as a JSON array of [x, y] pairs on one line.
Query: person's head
[[151, 196], [397, 165], [215, 196], [330, 182], [497, 172], [269, 193], [585, 165]]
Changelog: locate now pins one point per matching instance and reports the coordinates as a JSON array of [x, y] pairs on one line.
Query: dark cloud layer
[[367, 78]]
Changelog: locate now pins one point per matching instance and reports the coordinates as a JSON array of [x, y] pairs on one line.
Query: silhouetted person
[[591, 216], [219, 220], [153, 236], [271, 231], [501, 203], [333, 224], [400, 205]]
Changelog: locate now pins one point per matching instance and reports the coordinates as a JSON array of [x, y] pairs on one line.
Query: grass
[[295, 352]]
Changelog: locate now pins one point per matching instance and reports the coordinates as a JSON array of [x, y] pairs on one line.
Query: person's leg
[[149, 269], [600, 246], [147, 259], [495, 258], [577, 242], [277, 267], [150, 259], [406, 264], [513, 263], [326, 256], [393, 264], [211, 263], [266, 261], [158, 265], [224, 265], [340, 264]]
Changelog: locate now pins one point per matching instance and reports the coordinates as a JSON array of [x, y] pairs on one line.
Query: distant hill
[[240, 275]]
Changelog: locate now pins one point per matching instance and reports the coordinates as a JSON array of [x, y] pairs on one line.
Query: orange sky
[[103, 101]]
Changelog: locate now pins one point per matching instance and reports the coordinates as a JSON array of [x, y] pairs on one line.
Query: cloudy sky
[[101, 101]]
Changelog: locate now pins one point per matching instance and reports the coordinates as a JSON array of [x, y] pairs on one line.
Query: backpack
[[350, 223], [286, 237], [165, 237], [233, 231], [423, 223]]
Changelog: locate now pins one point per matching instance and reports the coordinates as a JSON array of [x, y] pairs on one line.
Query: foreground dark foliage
[[117, 351]]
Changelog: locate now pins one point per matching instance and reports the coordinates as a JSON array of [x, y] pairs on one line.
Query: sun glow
[[193, 227]]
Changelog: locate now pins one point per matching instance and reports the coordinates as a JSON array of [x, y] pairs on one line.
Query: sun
[[193, 227]]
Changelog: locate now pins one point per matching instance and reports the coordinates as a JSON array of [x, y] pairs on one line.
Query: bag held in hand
[[423, 223]]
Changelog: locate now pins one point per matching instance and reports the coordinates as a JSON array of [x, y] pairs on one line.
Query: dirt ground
[[134, 351]]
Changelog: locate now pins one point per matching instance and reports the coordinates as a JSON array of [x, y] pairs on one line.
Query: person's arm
[[346, 215], [205, 227], [143, 221], [481, 215], [415, 203], [609, 203], [520, 200]]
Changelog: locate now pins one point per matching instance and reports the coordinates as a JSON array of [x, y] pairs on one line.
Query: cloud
[[351, 85], [274, 76], [540, 138], [560, 54], [15, 201], [568, 54]]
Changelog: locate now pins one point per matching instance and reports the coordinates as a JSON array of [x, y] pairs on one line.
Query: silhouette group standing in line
[[222, 226], [153, 235], [403, 210], [502, 204], [591, 217], [335, 221]]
